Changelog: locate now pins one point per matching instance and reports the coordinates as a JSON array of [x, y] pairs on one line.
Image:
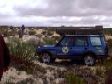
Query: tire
[[46, 58], [89, 60]]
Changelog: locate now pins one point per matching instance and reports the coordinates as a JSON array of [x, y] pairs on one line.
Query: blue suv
[[85, 47]]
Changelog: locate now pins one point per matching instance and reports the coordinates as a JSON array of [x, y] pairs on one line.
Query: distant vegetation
[[32, 32], [108, 31], [10, 31]]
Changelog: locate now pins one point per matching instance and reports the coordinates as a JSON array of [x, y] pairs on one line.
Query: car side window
[[67, 41], [80, 41]]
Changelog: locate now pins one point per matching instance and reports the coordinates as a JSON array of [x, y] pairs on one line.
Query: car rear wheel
[[89, 60]]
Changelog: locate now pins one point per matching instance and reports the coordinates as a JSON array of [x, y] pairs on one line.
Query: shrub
[[44, 32], [27, 81], [32, 32], [33, 41], [21, 56], [108, 72], [47, 40], [48, 32], [108, 64], [109, 41], [8, 32], [20, 49], [71, 78]]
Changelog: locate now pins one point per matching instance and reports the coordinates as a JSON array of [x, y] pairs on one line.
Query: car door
[[64, 46], [79, 47]]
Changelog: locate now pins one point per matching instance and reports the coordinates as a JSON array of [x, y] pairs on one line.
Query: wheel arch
[[47, 52], [89, 53]]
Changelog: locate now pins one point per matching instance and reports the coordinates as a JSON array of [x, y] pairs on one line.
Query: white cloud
[[24, 3], [56, 12]]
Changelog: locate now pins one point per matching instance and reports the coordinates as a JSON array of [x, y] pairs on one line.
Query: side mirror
[[57, 44]]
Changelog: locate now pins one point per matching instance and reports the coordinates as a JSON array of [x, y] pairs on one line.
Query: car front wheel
[[89, 60], [46, 58]]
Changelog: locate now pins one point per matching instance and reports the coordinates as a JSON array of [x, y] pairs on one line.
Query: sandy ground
[[12, 76]]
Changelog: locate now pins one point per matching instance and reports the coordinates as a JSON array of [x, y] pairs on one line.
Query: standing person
[[11, 27], [21, 31], [4, 56], [23, 27]]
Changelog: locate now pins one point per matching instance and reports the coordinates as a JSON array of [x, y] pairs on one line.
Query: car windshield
[[95, 41]]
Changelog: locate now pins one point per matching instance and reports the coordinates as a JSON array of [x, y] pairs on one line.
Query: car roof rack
[[97, 30]]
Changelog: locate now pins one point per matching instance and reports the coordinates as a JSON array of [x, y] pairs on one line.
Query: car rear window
[[95, 41]]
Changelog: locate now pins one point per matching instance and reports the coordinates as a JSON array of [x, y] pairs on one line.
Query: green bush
[[32, 32], [20, 49], [49, 40], [109, 41], [48, 32], [108, 64], [8, 32], [71, 78]]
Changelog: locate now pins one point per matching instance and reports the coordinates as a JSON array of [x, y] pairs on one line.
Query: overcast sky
[[56, 12]]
